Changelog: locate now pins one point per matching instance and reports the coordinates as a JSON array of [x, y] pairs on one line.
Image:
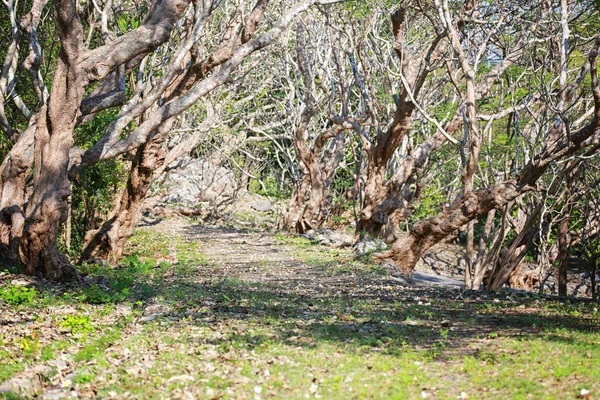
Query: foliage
[[77, 324], [269, 186], [94, 188], [16, 295], [431, 201]]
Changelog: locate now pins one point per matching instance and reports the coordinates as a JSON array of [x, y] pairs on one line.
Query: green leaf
[[122, 21]]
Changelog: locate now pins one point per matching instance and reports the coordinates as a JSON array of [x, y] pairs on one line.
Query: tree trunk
[[296, 202], [372, 217], [593, 281], [382, 198], [563, 250], [512, 255], [469, 274], [109, 241], [480, 267], [316, 175], [313, 216], [406, 252], [13, 173], [47, 208], [392, 231], [563, 229]]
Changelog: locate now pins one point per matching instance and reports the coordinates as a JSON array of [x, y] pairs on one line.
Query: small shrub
[[47, 353], [29, 345], [137, 266], [84, 378], [77, 324], [15, 295], [96, 295]]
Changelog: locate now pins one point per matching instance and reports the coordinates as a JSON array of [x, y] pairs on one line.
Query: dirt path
[[261, 257]]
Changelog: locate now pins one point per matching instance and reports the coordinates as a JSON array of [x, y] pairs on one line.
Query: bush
[[15, 295], [77, 324]]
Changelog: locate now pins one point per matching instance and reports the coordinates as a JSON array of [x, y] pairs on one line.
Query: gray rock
[[20, 282], [55, 393], [197, 181], [429, 280], [59, 364], [328, 237], [262, 206], [366, 246], [124, 309], [19, 385], [148, 318]]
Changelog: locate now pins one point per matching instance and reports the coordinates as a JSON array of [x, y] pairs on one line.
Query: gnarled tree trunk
[[316, 170], [13, 173], [47, 208], [297, 201], [109, 241]]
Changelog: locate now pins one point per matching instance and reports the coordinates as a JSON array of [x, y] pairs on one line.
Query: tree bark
[[47, 207], [563, 250], [13, 173], [33, 226], [297, 202], [480, 266], [109, 241], [313, 215], [315, 170]]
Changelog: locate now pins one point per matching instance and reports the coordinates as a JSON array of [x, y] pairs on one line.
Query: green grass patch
[[149, 243]]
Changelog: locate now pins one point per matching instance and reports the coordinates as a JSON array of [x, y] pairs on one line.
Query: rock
[[22, 385], [181, 378], [197, 181], [55, 393], [329, 237], [262, 206], [366, 246], [341, 239], [20, 282], [148, 318], [59, 364], [443, 259], [403, 280], [429, 280], [124, 309]]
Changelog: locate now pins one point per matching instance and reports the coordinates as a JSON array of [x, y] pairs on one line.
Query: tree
[[556, 144], [88, 78]]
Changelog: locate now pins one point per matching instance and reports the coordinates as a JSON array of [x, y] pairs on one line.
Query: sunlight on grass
[[154, 327]]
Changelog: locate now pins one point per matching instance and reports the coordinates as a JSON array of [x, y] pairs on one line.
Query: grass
[[325, 328], [328, 259]]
